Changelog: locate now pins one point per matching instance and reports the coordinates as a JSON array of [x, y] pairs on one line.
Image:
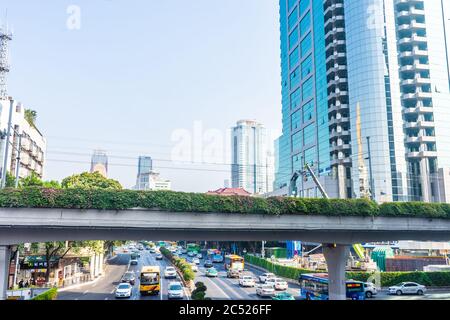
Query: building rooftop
[[230, 192]]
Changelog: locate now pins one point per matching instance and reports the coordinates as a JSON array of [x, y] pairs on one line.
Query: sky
[[164, 78]]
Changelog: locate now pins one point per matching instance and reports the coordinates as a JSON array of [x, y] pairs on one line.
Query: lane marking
[[86, 292]]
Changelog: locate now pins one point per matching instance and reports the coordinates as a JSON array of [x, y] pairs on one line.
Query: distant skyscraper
[[147, 179], [145, 165], [359, 69], [251, 158], [99, 162]]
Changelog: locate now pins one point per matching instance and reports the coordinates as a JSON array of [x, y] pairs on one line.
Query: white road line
[[113, 291], [220, 289], [106, 298], [86, 292]]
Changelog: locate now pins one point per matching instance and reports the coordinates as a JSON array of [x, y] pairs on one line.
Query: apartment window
[[307, 66], [306, 45], [295, 99], [308, 110], [310, 156], [305, 24], [309, 135], [294, 58], [293, 18], [293, 38], [295, 78], [296, 120], [303, 6], [297, 141]]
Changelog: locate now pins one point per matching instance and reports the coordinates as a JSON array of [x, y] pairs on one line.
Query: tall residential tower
[[252, 164], [366, 97]]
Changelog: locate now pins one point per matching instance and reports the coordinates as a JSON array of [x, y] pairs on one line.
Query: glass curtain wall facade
[[366, 96], [250, 158]]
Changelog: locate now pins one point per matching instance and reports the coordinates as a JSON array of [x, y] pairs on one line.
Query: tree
[[31, 116], [88, 180], [10, 180], [33, 180]]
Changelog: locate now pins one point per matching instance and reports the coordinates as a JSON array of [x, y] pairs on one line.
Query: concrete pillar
[[92, 266], [336, 256], [97, 265], [5, 254], [100, 262]]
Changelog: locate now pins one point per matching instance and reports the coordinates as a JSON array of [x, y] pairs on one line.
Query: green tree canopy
[[33, 180], [31, 116], [88, 180]]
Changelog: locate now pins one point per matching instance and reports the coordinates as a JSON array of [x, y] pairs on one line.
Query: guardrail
[[25, 294]]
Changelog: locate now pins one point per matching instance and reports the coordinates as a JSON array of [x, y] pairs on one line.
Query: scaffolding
[[5, 37]]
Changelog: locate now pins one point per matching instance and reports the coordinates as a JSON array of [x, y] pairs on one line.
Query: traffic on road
[[137, 272]]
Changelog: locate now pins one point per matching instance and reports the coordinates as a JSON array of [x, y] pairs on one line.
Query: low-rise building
[[32, 142], [230, 192]]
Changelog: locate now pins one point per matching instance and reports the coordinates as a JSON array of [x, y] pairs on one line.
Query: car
[[159, 256], [265, 290], [263, 278], [194, 267], [170, 273], [152, 250], [233, 273], [283, 296], [196, 261], [407, 288], [124, 290], [212, 272], [128, 277], [370, 289], [175, 290], [191, 254], [280, 284], [134, 262], [137, 253], [183, 251], [246, 281], [199, 256], [208, 264]]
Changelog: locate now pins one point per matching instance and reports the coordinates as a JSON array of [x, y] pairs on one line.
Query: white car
[[407, 288], [263, 278], [265, 290], [370, 290], [196, 261], [170, 273], [124, 290], [272, 281], [280, 284], [199, 256], [175, 290], [247, 281], [194, 267]]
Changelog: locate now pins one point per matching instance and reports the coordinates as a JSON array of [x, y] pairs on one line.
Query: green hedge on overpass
[[196, 202]]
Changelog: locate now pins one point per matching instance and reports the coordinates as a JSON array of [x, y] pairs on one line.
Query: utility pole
[[372, 186], [19, 149], [6, 149]]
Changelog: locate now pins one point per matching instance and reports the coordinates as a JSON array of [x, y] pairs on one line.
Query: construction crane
[[293, 187]]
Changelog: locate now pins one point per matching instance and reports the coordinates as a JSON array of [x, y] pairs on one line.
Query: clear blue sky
[[136, 71]]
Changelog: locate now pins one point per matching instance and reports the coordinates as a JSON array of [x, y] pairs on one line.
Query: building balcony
[[345, 161], [421, 154], [333, 7], [336, 55], [334, 31], [339, 134], [338, 107], [421, 139], [339, 148], [417, 110], [334, 43], [419, 125], [417, 95], [336, 121]]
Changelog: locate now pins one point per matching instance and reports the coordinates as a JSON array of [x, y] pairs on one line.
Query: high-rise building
[[24, 134], [99, 162], [251, 158], [147, 179], [365, 97]]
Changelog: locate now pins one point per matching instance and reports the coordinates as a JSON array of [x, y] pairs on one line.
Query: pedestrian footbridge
[[337, 233]]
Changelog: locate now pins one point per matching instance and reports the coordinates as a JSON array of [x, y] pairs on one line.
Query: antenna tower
[[5, 37]]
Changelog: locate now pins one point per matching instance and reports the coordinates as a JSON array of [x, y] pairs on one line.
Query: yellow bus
[[235, 262], [150, 280]]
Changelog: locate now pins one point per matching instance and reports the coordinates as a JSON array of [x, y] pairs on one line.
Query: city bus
[[315, 287], [235, 262], [215, 255], [193, 247], [150, 280]]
